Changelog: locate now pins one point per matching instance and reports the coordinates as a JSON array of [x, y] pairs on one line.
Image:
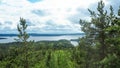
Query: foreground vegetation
[[99, 48], [40, 54]]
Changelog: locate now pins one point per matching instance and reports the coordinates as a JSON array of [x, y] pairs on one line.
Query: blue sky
[[47, 16], [34, 1]]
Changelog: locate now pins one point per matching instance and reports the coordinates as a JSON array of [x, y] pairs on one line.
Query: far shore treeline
[[98, 48], [38, 34]]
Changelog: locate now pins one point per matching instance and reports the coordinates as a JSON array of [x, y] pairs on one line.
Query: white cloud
[[56, 10]]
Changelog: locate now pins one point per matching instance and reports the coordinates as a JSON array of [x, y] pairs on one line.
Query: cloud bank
[[46, 16]]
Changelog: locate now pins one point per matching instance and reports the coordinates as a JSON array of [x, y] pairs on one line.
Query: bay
[[9, 39]]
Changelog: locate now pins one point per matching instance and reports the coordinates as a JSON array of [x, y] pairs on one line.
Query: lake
[[42, 38]]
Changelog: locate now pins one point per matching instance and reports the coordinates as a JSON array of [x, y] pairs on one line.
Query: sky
[[47, 16]]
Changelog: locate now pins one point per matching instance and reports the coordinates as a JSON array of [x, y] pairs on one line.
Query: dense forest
[[99, 48]]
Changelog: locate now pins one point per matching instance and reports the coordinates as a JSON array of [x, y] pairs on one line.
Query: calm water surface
[[43, 38]]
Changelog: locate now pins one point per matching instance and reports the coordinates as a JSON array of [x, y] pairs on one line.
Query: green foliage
[[61, 59], [112, 60], [101, 37], [56, 45], [38, 55], [56, 59], [20, 57], [23, 36]]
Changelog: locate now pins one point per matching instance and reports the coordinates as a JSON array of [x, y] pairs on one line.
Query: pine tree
[[95, 34], [112, 59], [23, 37]]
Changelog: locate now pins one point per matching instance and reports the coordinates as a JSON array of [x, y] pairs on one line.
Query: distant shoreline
[[35, 34], [3, 38]]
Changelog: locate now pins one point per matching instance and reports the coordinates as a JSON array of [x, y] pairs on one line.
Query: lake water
[[43, 38]]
